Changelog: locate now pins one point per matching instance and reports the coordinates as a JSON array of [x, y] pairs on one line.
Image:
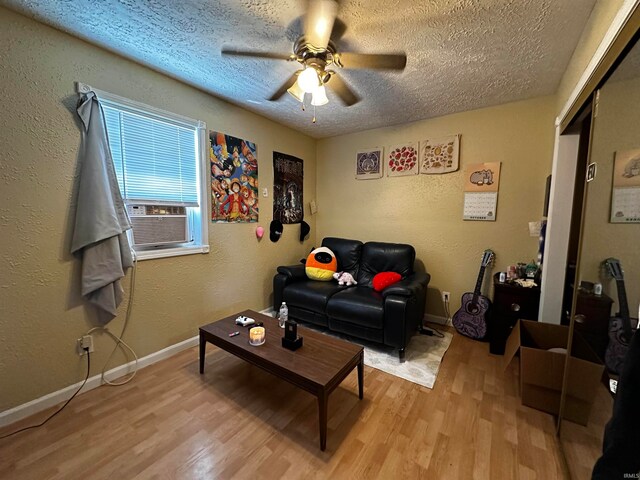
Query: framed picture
[[439, 155], [402, 159], [369, 164]]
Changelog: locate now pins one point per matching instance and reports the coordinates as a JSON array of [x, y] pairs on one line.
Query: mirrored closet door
[[607, 287]]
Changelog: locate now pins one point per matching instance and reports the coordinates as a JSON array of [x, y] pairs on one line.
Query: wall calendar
[[481, 181], [625, 195]]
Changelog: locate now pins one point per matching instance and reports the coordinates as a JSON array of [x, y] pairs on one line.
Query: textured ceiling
[[462, 54]]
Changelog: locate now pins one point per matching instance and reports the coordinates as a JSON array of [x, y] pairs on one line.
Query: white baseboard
[[34, 406], [429, 318]]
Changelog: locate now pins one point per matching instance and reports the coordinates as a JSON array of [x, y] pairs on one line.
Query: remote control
[[244, 321]]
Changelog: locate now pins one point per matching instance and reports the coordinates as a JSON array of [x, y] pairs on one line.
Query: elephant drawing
[[482, 177], [632, 168]]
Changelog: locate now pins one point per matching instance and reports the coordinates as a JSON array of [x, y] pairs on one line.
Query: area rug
[[423, 357]]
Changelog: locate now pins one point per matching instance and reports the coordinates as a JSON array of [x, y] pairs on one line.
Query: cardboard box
[[541, 371]]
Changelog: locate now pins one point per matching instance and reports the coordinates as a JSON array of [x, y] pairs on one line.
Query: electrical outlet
[[446, 296], [86, 341]]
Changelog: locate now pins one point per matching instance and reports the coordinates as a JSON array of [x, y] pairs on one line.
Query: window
[[160, 161]]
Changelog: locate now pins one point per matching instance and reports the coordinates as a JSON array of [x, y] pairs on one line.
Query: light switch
[[265, 192], [313, 207]]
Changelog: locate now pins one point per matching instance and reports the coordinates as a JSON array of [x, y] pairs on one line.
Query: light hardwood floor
[[237, 421], [583, 444]]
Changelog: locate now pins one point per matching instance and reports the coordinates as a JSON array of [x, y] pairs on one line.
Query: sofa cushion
[[310, 295], [384, 257], [347, 253], [357, 305], [384, 279]]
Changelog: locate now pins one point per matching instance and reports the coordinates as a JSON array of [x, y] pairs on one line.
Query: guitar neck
[[476, 291], [622, 299]]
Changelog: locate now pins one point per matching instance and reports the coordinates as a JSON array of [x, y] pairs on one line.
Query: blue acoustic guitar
[[471, 319]]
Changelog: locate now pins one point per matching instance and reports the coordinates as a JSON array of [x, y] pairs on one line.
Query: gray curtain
[[101, 221]]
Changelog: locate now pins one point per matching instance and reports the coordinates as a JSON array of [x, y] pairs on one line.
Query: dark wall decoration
[[288, 206]]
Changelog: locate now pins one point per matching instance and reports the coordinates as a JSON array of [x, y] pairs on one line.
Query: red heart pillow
[[383, 279]]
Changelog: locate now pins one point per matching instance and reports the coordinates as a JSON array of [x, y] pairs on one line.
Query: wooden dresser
[[592, 320]]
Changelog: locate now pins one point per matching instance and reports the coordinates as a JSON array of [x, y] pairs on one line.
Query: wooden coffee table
[[318, 367]]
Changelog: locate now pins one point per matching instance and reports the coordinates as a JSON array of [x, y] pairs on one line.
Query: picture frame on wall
[[402, 159], [369, 163]]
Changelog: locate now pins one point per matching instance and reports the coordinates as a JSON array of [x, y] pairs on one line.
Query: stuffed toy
[[345, 278], [321, 264], [383, 279]]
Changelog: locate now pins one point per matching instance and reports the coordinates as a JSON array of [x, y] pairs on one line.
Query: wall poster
[[369, 164], [287, 188], [234, 179], [402, 159], [625, 195], [439, 155], [481, 181]]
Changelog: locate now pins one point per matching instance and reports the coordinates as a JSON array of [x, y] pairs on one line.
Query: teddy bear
[[344, 278]]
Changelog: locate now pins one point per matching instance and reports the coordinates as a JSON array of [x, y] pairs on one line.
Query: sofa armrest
[[408, 287], [293, 272]]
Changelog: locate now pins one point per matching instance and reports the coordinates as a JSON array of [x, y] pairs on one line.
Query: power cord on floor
[[118, 339], [65, 404], [431, 332]]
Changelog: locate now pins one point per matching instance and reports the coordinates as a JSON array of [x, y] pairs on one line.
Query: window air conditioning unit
[[158, 224]]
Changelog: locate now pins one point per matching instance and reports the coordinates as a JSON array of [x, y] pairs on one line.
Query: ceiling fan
[[317, 54]]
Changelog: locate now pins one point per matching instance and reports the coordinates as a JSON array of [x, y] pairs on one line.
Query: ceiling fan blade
[[367, 60], [318, 22], [250, 53], [343, 90], [285, 86]]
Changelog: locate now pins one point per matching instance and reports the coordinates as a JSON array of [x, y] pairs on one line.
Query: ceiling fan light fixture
[[296, 92], [309, 80], [319, 97]]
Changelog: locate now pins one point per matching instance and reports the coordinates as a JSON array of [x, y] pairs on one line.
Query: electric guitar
[[471, 319], [620, 330]]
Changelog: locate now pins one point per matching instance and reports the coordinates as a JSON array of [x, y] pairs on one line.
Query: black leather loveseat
[[389, 317]]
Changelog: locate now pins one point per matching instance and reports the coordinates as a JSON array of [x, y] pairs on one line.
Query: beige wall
[[41, 312], [594, 31], [426, 211], [616, 129]]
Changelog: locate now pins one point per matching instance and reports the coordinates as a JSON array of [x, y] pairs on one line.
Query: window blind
[[155, 159]]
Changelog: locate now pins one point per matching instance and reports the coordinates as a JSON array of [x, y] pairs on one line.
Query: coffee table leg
[[203, 349], [361, 377], [322, 409]]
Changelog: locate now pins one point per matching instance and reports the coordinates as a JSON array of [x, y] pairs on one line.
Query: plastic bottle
[[283, 315]]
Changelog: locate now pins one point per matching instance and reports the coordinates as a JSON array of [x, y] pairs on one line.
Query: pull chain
[[314, 114]]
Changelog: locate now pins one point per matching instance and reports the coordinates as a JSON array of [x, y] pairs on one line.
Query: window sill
[[171, 252]]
